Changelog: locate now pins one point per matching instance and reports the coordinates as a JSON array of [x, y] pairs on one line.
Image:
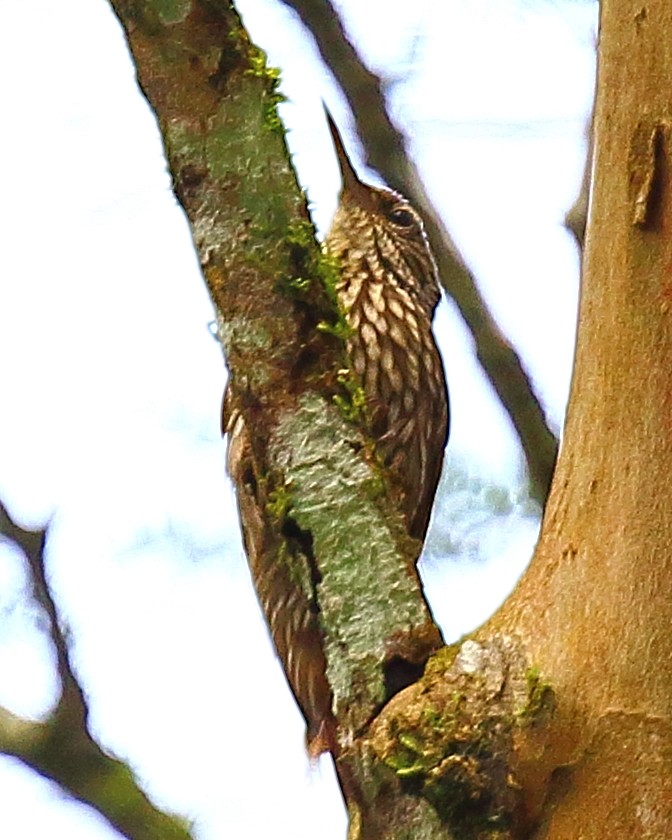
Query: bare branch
[[61, 748], [386, 152], [319, 514], [33, 544]]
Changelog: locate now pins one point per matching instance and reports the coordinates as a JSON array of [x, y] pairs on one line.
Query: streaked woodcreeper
[[388, 291]]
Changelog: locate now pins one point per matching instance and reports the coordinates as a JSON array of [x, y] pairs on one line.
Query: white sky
[[112, 382]]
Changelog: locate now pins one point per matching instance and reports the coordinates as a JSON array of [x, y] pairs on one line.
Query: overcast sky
[[112, 382]]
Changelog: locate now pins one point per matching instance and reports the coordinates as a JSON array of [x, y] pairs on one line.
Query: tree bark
[[554, 720], [314, 499], [594, 610]]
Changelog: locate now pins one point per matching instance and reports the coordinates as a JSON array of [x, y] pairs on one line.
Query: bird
[[387, 290]]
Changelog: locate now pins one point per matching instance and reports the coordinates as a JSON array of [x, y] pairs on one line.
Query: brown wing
[[395, 355], [290, 614]]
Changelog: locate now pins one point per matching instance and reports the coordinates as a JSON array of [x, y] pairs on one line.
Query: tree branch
[[61, 748], [321, 515], [385, 149]]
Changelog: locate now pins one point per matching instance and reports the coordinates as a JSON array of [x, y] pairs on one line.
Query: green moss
[[279, 503], [301, 234], [443, 660], [259, 68], [309, 262], [427, 745], [303, 260], [352, 402], [540, 698], [411, 758], [341, 329], [294, 286], [258, 65], [363, 572], [330, 273], [431, 717], [170, 11], [375, 487], [449, 765], [456, 753], [317, 263]]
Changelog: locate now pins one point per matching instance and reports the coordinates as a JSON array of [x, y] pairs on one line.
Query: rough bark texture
[[587, 746], [314, 498], [484, 746], [554, 721]]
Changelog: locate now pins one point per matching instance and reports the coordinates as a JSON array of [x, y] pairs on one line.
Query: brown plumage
[[288, 603], [388, 291], [291, 612]]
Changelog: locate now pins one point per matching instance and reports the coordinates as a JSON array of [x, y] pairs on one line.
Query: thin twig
[[33, 545], [61, 748]]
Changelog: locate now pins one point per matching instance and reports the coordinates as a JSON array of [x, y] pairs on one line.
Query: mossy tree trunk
[[314, 500]]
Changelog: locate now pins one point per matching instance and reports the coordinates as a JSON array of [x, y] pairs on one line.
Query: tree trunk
[[594, 610], [554, 720], [320, 513]]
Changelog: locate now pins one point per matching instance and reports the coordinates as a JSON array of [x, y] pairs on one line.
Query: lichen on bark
[[369, 593], [304, 459], [455, 738]]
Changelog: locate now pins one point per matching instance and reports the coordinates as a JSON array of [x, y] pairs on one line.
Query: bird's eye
[[402, 217]]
